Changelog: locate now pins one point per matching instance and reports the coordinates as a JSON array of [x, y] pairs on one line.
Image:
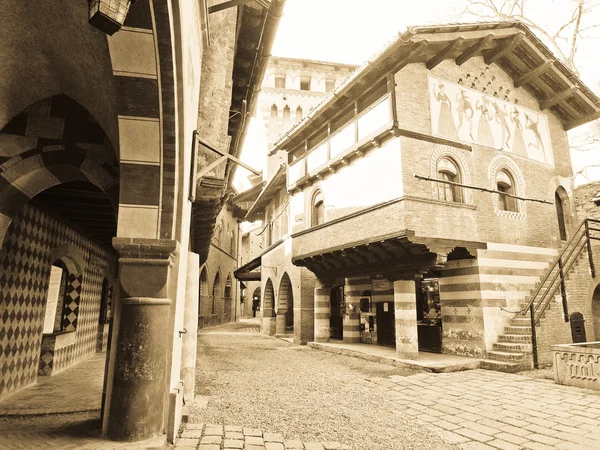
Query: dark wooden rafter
[[502, 49], [371, 250], [389, 253], [545, 104], [532, 74], [417, 49], [445, 53], [480, 45], [398, 244], [359, 255]]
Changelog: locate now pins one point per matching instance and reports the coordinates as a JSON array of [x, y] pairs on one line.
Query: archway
[[285, 306], [596, 312], [255, 301], [57, 220], [268, 299], [217, 301]]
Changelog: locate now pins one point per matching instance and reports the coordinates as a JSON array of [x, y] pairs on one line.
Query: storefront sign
[[380, 284]]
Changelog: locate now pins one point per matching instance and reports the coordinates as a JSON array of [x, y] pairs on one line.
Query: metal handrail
[[579, 243]]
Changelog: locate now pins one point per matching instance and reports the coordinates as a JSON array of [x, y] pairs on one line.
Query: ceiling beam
[[503, 48], [528, 76], [578, 122], [482, 44], [545, 104], [417, 50], [445, 53]]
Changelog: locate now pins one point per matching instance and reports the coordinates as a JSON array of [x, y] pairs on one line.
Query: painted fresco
[[464, 114]]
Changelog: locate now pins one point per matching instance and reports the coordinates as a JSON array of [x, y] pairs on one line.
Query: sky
[[350, 31]]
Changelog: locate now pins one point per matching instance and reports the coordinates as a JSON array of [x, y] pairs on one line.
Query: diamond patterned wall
[[25, 260]]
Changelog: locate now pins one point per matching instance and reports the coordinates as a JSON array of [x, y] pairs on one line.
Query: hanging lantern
[[108, 15]]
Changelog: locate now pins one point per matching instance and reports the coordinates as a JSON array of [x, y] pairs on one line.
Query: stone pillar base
[[322, 313], [280, 323], [269, 326], [405, 305], [352, 328]]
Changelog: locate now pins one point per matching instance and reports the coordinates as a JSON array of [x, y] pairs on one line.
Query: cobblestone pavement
[[230, 437], [475, 409]]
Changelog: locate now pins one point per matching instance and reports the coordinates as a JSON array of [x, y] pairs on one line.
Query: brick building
[[424, 203], [112, 176]]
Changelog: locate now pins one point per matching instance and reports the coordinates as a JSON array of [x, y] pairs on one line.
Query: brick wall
[[33, 241]]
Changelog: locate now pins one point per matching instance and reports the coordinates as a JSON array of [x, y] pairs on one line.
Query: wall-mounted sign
[[461, 113], [380, 284]]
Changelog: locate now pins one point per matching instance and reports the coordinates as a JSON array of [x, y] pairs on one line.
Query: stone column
[[190, 323], [268, 321], [304, 309], [144, 338], [352, 328], [322, 312], [405, 305]]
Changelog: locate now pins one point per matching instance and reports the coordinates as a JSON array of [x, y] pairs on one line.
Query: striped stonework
[[508, 273], [322, 312], [354, 289], [268, 321], [142, 63], [405, 306], [462, 315], [352, 328]]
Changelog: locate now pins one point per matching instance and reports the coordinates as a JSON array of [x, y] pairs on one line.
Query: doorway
[[577, 327], [429, 320], [386, 329], [337, 312]]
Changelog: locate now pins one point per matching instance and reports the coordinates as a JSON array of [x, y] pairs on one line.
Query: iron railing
[[554, 279]]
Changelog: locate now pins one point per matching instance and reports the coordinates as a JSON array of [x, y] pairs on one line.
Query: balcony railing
[[342, 141]]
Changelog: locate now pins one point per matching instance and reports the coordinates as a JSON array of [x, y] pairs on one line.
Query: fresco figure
[[465, 111], [446, 125], [484, 133], [533, 126], [518, 142], [501, 118]]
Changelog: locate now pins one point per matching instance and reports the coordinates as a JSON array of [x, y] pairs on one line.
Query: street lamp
[[108, 15]]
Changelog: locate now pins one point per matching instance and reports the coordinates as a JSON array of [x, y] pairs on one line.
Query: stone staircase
[[513, 352]]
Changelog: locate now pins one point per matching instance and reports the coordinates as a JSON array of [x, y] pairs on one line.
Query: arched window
[[317, 215], [287, 117], [106, 303], [227, 292], [268, 227], [505, 184], [448, 170], [298, 113], [216, 292], [280, 80], [560, 214], [203, 291]]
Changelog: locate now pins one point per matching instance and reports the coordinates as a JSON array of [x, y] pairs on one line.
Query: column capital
[[144, 266], [145, 249]]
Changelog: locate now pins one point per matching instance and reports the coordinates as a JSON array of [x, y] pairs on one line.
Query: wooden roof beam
[[551, 101], [417, 50], [528, 76], [503, 48], [482, 44], [445, 53]]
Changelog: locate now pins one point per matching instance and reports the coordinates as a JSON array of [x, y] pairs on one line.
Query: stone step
[[502, 366], [521, 338], [517, 330], [506, 356], [512, 347], [520, 321]]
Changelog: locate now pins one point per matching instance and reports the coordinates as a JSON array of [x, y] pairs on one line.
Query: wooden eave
[[510, 45], [397, 256], [269, 191]]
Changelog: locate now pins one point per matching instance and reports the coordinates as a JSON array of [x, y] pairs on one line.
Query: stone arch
[[310, 206], [216, 291], [498, 164], [268, 299], [73, 258], [285, 303], [445, 151], [72, 295], [29, 174], [562, 204]]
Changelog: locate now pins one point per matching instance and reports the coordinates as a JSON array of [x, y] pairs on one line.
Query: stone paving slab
[[210, 437]]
